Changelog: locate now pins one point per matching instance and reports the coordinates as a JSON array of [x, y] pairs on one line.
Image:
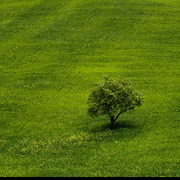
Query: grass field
[[52, 53]]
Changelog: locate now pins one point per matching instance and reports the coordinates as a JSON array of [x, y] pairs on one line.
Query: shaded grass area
[[52, 53]]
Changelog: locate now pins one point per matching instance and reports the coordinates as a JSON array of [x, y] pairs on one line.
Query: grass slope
[[51, 54]]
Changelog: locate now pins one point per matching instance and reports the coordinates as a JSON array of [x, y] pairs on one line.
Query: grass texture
[[52, 53]]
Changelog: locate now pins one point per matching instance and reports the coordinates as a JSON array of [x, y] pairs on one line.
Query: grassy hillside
[[52, 53]]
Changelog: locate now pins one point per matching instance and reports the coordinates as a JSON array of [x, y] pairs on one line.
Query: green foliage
[[112, 98]]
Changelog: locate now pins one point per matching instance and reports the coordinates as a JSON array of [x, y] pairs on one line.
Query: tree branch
[[120, 114], [124, 110]]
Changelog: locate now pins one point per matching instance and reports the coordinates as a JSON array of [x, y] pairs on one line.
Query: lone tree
[[112, 98]]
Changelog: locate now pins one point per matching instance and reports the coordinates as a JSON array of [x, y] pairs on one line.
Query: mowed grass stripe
[[33, 20], [12, 24]]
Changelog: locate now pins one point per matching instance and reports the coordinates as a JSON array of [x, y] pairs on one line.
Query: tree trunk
[[112, 121]]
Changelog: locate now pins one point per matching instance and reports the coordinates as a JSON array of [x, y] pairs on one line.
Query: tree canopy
[[112, 97]]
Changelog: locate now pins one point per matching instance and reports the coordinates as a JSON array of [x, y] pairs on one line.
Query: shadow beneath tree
[[122, 131], [117, 126]]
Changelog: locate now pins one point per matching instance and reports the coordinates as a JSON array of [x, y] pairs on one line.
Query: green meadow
[[52, 52]]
